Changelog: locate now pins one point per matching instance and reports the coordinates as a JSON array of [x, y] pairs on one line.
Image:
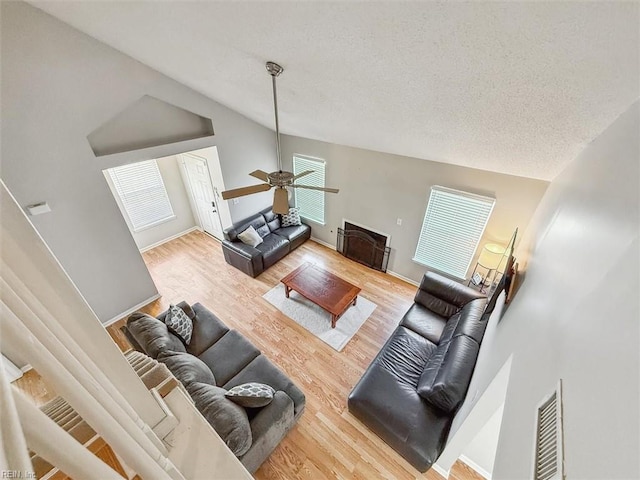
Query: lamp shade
[[491, 255]]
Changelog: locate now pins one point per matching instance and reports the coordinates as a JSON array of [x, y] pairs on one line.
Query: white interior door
[[202, 191]]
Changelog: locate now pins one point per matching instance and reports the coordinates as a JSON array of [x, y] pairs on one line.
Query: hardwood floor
[[327, 442]]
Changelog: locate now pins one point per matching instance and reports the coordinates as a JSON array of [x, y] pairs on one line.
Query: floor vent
[[549, 461]]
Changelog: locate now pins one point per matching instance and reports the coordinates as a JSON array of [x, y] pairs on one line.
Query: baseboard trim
[[402, 277], [168, 239], [323, 243], [440, 470], [26, 368], [131, 310], [474, 466]]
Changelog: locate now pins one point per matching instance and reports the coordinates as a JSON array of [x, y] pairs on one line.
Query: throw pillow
[[292, 218], [179, 323], [251, 395], [228, 419], [187, 368], [250, 237]]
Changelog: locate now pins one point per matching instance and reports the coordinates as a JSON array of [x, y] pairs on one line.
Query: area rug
[[317, 320]]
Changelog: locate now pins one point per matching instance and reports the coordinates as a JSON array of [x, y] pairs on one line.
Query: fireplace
[[364, 246]]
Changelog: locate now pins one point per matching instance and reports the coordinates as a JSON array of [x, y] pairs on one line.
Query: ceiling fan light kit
[[279, 180]]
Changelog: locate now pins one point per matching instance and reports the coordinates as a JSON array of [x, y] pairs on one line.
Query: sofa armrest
[[268, 427], [444, 296], [243, 257]]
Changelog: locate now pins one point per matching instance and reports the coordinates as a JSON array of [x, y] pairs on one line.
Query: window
[[141, 190], [310, 202], [453, 225]]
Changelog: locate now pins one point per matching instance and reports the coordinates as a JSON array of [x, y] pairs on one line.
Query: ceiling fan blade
[[241, 192], [260, 174], [323, 189], [307, 172], [281, 201]]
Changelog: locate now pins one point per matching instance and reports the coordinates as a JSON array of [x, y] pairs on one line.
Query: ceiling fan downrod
[[274, 70]]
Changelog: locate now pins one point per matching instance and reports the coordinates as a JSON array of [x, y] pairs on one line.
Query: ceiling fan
[[279, 180]]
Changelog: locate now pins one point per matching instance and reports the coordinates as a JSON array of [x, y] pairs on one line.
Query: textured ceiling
[[517, 88]]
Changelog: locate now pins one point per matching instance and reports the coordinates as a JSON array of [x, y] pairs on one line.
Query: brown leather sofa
[[277, 242], [412, 390]]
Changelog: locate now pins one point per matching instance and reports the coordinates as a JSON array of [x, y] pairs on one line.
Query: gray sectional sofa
[[412, 390], [232, 360], [277, 242]]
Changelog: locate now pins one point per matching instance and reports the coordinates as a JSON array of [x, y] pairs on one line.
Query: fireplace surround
[[363, 246]]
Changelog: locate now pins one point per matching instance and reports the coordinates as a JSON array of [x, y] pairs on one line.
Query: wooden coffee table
[[325, 289]]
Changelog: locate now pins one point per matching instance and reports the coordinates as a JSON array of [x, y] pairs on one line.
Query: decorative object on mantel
[[280, 179], [363, 246], [314, 319]]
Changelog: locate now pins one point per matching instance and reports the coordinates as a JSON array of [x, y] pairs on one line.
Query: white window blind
[[310, 202], [142, 192], [453, 225]]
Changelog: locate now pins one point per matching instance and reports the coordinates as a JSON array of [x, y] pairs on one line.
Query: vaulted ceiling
[[517, 87]]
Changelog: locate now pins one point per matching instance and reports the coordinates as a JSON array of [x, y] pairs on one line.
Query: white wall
[[377, 188], [480, 454], [177, 193], [575, 316], [58, 85]]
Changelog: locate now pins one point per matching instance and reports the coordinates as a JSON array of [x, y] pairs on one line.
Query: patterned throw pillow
[[292, 218], [179, 323], [251, 394]]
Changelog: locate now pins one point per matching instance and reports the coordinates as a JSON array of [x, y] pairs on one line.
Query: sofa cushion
[[207, 330], [447, 375], [396, 413], [261, 369], [250, 237], [444, 296], [471, 323], [179, 323], [424, 322], [404, 356], [228, 356], [269, 426], [251, 395], [226, 418], [152, 334], [257, 221], [272, 219], [187, 368], [292, 233], [273, 248]]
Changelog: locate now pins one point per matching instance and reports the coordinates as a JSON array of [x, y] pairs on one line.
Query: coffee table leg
[[334, 318], [354, 301], [286, 291]]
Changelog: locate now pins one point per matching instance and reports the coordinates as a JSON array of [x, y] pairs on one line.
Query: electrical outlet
[[236, 201], [399, 222]]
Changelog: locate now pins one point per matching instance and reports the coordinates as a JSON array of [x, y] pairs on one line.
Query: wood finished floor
[[327, 442]]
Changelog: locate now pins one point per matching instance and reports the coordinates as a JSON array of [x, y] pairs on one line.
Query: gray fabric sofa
[[233, 360], [412, 390], [277, 242]]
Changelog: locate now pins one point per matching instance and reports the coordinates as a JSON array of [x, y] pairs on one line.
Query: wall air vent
[[549, 459]]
